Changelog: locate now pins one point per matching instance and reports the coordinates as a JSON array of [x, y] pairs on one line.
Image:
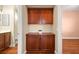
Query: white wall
[[9, 10], [6, 10]]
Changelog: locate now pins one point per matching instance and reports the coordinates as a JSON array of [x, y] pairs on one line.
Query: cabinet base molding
[[40, 52]]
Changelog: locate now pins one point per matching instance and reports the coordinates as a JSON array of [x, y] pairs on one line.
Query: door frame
[[58, 29]]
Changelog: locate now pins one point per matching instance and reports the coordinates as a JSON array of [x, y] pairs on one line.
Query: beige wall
[[70, 24]]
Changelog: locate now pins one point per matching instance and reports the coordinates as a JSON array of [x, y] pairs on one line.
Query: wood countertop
[[36, 33], [4, 31]]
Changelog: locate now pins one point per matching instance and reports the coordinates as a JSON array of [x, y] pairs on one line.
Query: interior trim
[[70, 37]]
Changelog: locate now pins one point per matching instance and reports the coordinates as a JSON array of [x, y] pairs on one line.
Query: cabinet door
[[1, 41], [47, 42], [7, 39], [32, 42], [47, 16], [33, 16]]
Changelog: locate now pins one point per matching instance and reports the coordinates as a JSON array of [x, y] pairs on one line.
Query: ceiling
[[40, 6], [71, 7]]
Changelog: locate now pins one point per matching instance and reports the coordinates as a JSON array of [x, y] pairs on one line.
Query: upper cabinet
[[40, 15], [46, 16], [33, 16]]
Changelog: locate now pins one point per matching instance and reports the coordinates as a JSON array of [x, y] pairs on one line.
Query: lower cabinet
[[32, 42], [40, 44], [1, 41], [5, 39], [47, 43]]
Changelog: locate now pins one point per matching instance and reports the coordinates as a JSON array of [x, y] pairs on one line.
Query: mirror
[[4, 19], [0, 20]]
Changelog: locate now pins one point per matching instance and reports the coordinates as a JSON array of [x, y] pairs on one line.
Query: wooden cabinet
[[32, 42], [47, 43], [40, 43], [7, 37], [33, 16], [1, 41], [46, 16], [40, 15], [5, 40]]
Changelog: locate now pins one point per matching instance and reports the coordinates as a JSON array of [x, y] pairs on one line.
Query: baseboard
[[70, 37], [12, 46], [24, 52], [56, 52]]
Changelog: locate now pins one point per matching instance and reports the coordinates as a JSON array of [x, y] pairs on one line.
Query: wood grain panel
[[40, 43], [47, 42], [40, 52], [7, 37], [47, 16], [71, 46], [33, 16], [1, 41], [40, 15], [32, 42]]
